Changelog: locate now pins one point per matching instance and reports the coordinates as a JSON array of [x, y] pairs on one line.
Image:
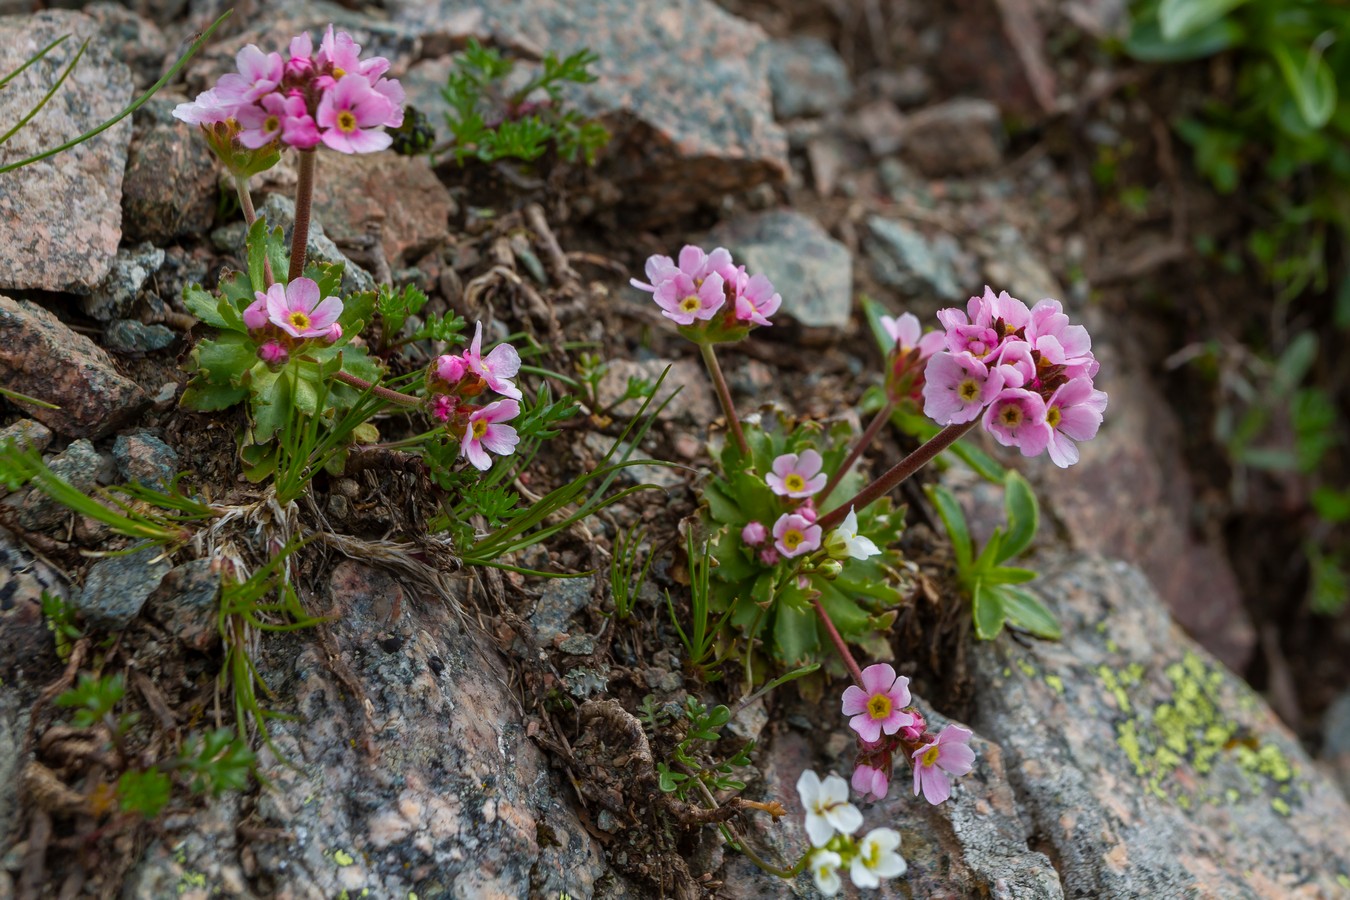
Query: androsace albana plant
[[796, 570]]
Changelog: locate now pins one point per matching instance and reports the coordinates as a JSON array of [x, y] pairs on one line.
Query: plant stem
[[304, 197], [880, 419], [251, 216], [382, 392], [839, 644], [724, 395], [898, 473]]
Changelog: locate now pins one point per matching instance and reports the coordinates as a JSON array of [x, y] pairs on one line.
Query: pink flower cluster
[[452, 380], [1027, 371], [795, 477], [331, 96], [708, 291], [288, 316], [909, 353], [886, 722]]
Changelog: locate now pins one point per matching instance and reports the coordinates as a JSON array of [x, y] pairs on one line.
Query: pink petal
[[878, 678], [855, 700], [303, 294], [936, 787], [501, 439], [326, 313]]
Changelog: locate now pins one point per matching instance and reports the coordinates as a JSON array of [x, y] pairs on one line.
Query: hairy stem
[[873, 427], [898, 473], [251, 216], [839, 644], [382, 392], [304, 197], [724, 396]]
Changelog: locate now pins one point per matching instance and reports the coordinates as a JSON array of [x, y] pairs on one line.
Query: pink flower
[[1050, 324], [768, 556], [936, 763], [486, 431], [340, 53], [755, 299], [754, 533], [259, 74], [350, 115], [808, 510], [273, 353], [957, 386], [450, 369], [914, 730], [987, 321], [878, 706], [1016, 418], [658, 269], [907, 334], [255, 316], [872, 784], [797, 476], [683, 299], [497, 368], [443, 407], [793, 535], [208, 109], [1074, 413], [265, 123], [297, 310]]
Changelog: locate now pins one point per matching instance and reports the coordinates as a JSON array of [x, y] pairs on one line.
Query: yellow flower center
[[1052, 415], [298, 320], [346, 121], [930, 756], [1011, 416], [792, 537], [690, 304], [879, 706], [480, 427], [968, 390], [271, 123], [338, 71], [795, 482]]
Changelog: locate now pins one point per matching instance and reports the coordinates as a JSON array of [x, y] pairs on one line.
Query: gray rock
[[145, 459], [1336, 741], [956, 137], [134, 39], [693, 405], [1015, 267], [881, 126], [661, 476], [812, 270], [171, 189], [906, 260], [186, 604], [423, 784], [78, 464], [60, 219], [1145, 768], [42, 357], [26, 644], [117, 587], [577, 645], [559, 600], [135, 338], [682, 84], [27, 433], [807, 77], [116, 295], [279, 210]]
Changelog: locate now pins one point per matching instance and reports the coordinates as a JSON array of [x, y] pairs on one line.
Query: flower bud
[[255, 317], [334, 334], [274, 353], [831, 569], [443, 407], [450, 369], [768, 556], [754, 534]]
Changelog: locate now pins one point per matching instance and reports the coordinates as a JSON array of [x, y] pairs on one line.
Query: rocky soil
[[446, 733]]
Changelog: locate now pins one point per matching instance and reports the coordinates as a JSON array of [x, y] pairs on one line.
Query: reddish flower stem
[[304, 198], [839, 644], [724, 396], [898, 473], [873, 427], [382, 392]]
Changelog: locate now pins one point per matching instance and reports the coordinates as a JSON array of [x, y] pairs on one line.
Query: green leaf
[[271, 404], [357, 310], [145, 793], [1007, 575], [256, 242], [224, 360], [203, 305], [721, 506], [1181, 19], [1024, 516], [988, 612], [1311, 81], [203, 395], [954, 521], [1147, 44], [1028, 613], [794, 635]]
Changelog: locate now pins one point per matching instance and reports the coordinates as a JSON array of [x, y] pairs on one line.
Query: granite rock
[[79, 465], [61, 219], [560, 600], [144, 459], [807, 78], [911, 262], [134, 39], [1144, 767], [955, 137], [186, 604], [41, 357], [117, 587], [682, 84], [27, 433], [812, 270], [115, 297], [170, 190], [134, 338]]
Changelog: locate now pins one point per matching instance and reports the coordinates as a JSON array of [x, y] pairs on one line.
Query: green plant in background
[[489, 121], [623, 586], [701, 637], [992, 585], [693, 768]]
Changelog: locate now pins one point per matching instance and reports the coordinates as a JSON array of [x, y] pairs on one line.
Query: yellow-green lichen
[[343, 858], [1027, 668], [1056, 684], [189, 881], [1343, 880], [1281, 806]]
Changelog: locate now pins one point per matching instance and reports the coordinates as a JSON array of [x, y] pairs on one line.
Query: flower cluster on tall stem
[[453, 381]]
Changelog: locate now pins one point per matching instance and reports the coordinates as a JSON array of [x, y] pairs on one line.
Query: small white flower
[[877, 858], [825, 870], [845, 540], [827, 807]]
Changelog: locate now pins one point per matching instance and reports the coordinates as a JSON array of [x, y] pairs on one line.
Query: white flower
[[877, 858], [825, 870], [827, 807], [845, 540]]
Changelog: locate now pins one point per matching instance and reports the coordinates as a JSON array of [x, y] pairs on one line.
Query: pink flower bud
[[334, 333], [808, 511], [451, 369], [754, 533], [443, 407], [274, 353], [768, 556], [915, 730], [255, 317]]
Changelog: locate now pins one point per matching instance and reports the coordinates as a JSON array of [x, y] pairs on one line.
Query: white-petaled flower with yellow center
[[845, 541], [825, 870], [827, 807], [877, 858]]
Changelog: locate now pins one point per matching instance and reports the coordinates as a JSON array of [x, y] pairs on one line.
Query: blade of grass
[[51, 92]]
